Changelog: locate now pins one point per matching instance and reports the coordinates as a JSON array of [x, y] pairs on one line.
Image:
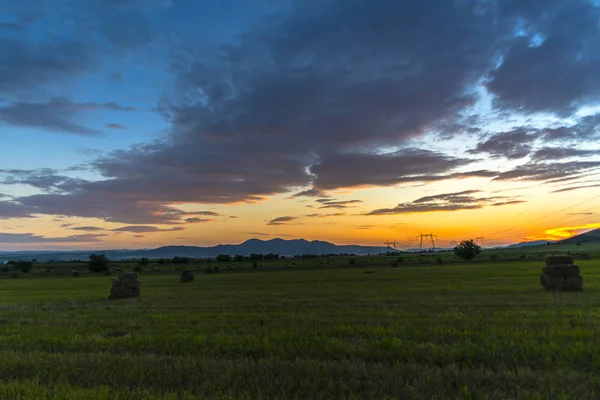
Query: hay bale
[[564, 271], [558, 260], [128, 276], [127, 286], [186, 276]]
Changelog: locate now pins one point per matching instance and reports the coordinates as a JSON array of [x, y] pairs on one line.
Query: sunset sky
[[141, 123]]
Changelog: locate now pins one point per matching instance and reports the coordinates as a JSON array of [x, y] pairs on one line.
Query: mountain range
[[277, 246]]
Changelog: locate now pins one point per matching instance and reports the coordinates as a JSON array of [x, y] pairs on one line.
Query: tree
[[181, 260], [25, 266], [467, 249], [144, 261], [224, 258], [98, 263]]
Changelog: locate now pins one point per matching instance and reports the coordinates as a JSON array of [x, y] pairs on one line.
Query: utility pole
[[422, 236]]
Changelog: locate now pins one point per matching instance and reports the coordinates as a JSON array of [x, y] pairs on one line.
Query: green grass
[[480, 330]]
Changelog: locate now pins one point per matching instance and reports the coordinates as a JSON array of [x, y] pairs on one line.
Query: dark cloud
[[316, 98], [281, 220], [146, 229], [29, 64], [568, 189], [534, 171], [340, 204], [59, 115], [464, 200], [309, 193], [514, 144], [408, 165], [32, 238], [362, 77], [555, 153], [9, 210], [196, 220], [87, 228], [45, 179], [558, 73]]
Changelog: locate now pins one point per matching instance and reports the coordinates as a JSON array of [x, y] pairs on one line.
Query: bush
[[6, 270], [439, 261], [400, 260], [352, 261], [216, 269], [75, 273], [144, 261], [467, 249], [394, 264], [493, 257], [25, 266], [98, 263], [137, 268], [254, 264], [224, 258], [208, 270]]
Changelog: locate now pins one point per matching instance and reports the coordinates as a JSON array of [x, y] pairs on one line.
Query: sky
[[142, 123]]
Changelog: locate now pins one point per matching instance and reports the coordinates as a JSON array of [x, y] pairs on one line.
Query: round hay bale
[[546, 281], [128, 276], [558, 260], [562, 270], [575, 283], [186, 276]]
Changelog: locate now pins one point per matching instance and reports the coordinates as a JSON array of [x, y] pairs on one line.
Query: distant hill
[[529, 244], [587, 237], [277, 246]]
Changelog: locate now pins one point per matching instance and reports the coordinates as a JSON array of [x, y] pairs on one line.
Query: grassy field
[[479, 330]]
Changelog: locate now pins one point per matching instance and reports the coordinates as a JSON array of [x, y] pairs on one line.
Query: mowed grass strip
[[459, 331]]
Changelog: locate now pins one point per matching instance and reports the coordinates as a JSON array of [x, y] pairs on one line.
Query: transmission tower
[[425, 236], [479, 239], [392, 245]]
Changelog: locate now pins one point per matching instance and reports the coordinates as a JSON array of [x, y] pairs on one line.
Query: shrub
[[394, 264], [6, 270], [25, 266], [14, 275], [439, 261], [144, 261], [224, 258], [400, 260], [137, 268], [493, 257], [352, 261], [216, 269], [467, 249], [254, 264], [98, 263], [208, 270], [75, 273]]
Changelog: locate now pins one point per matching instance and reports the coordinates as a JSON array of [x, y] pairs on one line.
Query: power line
[[543, 217]]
